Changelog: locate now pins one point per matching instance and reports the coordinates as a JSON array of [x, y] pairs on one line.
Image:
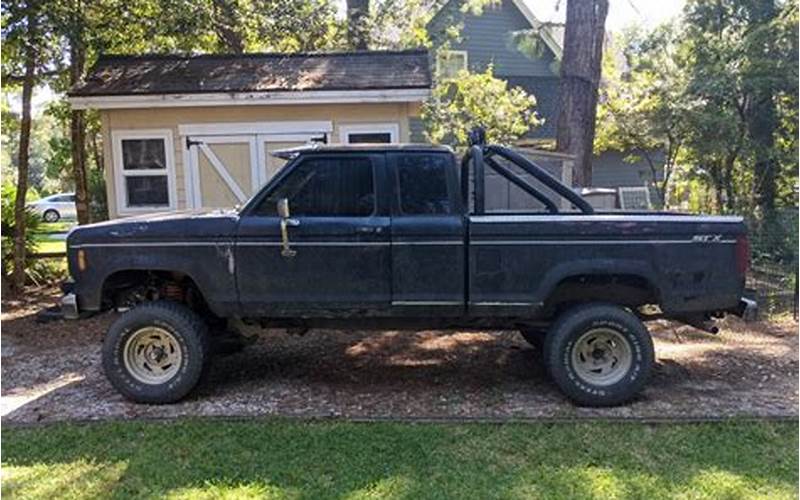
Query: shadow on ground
[[52, 372]]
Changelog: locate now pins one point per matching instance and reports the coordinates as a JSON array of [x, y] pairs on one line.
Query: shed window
[[369, 133], [144, 170]]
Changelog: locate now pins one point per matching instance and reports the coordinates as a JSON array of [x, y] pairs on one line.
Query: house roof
[[552, 34], [142, 75]]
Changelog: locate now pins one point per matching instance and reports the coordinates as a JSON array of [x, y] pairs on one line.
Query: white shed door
[[226, 170]]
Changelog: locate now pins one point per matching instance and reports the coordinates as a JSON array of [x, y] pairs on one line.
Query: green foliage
[[641, 109], [98, 206], [478, 99], [321, 460], [695, 98], [8, 193]]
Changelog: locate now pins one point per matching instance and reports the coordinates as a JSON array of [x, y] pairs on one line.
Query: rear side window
[[326, 187], [422, 181]]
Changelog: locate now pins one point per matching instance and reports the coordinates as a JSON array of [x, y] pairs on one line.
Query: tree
[[478, 99], [641, 108], [580, 76], [770, 72], [24, 26], [358, 24], [741, 60]]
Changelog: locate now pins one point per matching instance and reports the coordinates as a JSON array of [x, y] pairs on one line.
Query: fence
[[773, 275]]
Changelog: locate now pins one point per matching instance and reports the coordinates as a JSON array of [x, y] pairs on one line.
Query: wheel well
[[126, 288], [629, 290]]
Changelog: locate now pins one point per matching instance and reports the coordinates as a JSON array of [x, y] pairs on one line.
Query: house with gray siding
[[494, 37]]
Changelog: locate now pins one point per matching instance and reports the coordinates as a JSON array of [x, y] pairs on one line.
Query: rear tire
[[156, 352], [51, 216], [599, 354]]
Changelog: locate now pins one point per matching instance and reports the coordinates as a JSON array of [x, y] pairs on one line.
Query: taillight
[[742, 254]]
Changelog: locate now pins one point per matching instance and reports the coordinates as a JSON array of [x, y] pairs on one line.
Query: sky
[[621, 13]]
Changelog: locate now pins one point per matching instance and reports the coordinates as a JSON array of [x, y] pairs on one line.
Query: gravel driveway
[[52, 372]]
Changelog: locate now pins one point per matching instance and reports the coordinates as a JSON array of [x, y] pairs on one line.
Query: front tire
[[51, 216], [156, 352], [599, 354]]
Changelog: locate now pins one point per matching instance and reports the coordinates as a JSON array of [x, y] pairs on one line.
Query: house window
[[450, 62], [369, 133], [144, 170]]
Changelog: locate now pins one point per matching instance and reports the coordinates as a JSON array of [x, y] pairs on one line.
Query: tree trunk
[[227, 26], [97, 153], [580, 77], [18, 278], [77, 122], [358, 24], [762, 122], [761, 128]]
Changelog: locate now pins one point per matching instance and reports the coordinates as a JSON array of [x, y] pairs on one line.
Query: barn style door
[[226, 170]]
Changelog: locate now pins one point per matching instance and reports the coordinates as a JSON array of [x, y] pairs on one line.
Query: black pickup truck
[[398, 237]]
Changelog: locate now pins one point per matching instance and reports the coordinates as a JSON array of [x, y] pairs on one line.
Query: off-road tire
[[51, 216], [191, 334], [571, 326]]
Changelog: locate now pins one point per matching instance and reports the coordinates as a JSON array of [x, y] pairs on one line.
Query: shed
[[189, 132]]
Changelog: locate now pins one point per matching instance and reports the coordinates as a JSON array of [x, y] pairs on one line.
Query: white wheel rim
[[152, 355], [601, 356]]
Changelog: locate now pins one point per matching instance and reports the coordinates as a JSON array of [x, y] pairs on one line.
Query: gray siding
[[487, 39], [611, 170], [545, 89]]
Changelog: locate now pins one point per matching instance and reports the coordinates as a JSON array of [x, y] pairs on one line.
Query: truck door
[[427, 235], [338, 258]]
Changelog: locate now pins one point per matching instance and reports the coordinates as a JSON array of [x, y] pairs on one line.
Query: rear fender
[[596, 267]]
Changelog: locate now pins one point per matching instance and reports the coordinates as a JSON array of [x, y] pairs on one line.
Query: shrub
[[33, 222]]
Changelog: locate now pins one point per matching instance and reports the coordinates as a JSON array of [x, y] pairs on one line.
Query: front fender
[[210, 267]]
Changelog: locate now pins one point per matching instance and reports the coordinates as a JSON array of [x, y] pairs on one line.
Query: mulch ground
[[52, 372]]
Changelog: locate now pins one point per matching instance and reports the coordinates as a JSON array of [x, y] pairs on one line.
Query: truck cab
[[376, 232]]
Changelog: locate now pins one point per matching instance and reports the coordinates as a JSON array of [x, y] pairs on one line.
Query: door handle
[[369, 230]]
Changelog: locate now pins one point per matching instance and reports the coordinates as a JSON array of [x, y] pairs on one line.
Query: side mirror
[[283, 208]]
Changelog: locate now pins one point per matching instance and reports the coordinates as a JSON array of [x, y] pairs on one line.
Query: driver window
[[326, 187]]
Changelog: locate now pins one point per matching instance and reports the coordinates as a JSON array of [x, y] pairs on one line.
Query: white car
[[55, 207]]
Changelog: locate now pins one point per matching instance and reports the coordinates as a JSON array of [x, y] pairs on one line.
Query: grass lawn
[[48, 245], [289, 459], [61, 226]]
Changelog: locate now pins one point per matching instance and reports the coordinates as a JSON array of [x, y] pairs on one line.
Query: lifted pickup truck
[[384, 237]]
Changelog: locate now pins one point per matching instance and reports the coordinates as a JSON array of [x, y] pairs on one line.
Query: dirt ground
[[52, 372]]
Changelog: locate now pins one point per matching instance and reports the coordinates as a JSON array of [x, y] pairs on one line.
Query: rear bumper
[[747, 309]]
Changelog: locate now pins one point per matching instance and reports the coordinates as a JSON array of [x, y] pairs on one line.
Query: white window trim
[[393, 129], [117, 136], [442, 53]]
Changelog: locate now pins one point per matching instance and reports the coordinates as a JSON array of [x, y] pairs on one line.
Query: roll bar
[[522, 184], [480, 154]]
